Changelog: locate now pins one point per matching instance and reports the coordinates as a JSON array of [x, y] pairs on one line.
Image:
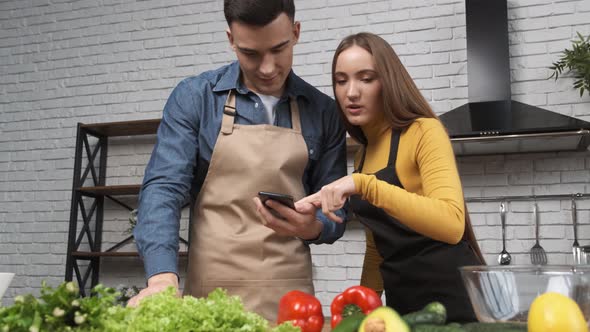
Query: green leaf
[[576, 62]]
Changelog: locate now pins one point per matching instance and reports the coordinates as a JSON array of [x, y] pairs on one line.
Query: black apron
[[416, 270]]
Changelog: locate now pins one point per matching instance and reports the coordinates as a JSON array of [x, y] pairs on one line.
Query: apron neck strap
[[229, 114], [394, 146], [295, 119]]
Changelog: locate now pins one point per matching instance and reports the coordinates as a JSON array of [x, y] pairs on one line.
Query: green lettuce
[[61, 309], [217, 312]]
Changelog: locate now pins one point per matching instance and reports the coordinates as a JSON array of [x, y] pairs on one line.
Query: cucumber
[[495, 327], [434, 313], [437, 328], [471, 327], [350, 323], [424, 317], [437, 308]]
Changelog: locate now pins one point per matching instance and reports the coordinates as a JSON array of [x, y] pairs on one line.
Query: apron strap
[[295, 118], [229, 114]]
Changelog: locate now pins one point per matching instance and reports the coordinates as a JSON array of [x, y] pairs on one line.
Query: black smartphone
[[284, 199], [281, 198]]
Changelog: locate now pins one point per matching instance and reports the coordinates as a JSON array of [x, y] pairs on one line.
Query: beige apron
[[230, 247]]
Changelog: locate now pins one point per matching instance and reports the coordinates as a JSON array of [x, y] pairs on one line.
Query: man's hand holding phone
[[288, 219], [286, 200]]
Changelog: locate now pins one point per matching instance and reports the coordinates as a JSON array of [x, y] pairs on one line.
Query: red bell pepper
[[353, 300], [303, 309]]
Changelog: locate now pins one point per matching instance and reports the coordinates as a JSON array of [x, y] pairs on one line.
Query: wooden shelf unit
[[90, 254], [90, 216], [123, 128], [118, 190]]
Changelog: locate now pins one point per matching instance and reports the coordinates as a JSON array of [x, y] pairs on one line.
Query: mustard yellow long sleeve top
[[431, 202]]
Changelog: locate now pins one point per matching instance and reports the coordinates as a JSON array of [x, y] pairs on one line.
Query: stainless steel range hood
[[491, 122]]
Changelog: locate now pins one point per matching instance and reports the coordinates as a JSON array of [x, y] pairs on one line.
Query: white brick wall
[[67, 61]]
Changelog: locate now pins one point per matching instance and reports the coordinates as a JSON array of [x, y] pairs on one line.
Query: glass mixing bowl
[[5, 279], [505, 293]]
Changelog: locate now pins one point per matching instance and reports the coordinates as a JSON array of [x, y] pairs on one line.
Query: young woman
[[406, 188]]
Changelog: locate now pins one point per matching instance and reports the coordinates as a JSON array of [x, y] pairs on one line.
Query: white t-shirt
[[269, 106]]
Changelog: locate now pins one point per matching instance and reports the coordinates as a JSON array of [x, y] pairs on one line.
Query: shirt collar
[[231, 80]]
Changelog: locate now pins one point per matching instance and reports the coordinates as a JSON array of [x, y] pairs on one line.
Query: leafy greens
[[61, 309]]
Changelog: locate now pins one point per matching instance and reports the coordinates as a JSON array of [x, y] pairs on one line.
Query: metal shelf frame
[[84, 249], [78, 210]]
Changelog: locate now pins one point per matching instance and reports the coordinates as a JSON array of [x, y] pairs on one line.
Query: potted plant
[[576, 61]]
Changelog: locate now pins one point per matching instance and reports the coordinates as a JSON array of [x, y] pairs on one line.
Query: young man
[[225, 135]]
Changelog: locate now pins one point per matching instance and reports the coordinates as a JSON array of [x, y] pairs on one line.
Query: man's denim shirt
[[191, 122]]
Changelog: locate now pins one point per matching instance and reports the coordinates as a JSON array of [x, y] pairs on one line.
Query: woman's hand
[[331, 197]]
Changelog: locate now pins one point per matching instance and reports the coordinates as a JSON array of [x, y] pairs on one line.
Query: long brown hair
[[469, 237], [402, 101]]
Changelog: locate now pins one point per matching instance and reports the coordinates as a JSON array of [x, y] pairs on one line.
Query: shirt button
[[310, 151], [256, 105]]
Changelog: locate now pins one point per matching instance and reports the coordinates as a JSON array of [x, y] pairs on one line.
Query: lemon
[[554, 312]]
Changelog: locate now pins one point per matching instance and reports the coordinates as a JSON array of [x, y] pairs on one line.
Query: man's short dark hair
[[257, 12]]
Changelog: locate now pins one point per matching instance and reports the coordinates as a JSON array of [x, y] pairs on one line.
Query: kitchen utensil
[[504, 258], [538, 255], [5, 279], [505, 293], [582, 255], [500, 294], [575, 245]]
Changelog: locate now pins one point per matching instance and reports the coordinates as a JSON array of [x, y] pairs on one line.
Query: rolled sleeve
[[331, 231], [160, 262]]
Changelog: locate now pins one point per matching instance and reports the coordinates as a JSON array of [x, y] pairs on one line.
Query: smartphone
[[284, 199]]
